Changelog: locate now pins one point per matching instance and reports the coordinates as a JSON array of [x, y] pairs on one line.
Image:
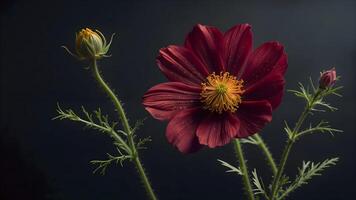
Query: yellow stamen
[[87, 32], [221, 93]]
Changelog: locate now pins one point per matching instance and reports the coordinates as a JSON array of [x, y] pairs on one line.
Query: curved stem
[[244, 170], [288, 147], [127, 129], [261, 144], [113, 98], [281, 166]]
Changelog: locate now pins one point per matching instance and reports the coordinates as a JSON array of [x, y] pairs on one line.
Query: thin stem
[[127, 129], [244, 170], [290, 142], [288, 147], [113, 98], [144, 178], [261, 144]]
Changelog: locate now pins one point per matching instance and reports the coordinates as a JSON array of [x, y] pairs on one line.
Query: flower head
[[90, 44], [327, 78], [219, 87], [221, 93]]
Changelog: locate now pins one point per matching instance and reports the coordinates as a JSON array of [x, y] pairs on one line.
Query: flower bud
[[327, 79], [90, 45]]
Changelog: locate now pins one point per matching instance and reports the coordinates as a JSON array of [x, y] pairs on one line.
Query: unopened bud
[[90, 45], [327, 79]]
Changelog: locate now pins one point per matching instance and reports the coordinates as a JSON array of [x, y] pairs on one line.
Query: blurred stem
[[261, 144], [125, 124], [244, 170], [276, 180]]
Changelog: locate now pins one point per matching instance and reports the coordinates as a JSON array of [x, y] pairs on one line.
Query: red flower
[[219, 89]]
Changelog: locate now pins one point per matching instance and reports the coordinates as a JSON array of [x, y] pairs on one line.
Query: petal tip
[[246, 25], [276, 44]]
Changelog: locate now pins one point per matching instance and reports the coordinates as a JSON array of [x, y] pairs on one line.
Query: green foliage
[[101, 123], [249, 140], [306, 173], [231, 168], [283, 182], [138, 124], [98, 122], [303, 93], [314, 99], [257, 140], [103, 164], [288, 130], [259, 187], [314, 96], [281, 185], [321, 127], [140, 144]]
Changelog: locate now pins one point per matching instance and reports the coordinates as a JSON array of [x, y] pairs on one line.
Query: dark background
[[44, 159]]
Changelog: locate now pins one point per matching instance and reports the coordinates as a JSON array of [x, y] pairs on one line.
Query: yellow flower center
[[221, 93]]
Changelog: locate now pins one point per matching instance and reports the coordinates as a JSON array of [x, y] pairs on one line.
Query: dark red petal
[[253, 116], [180, 64], [164, 100], [218, 129], [264, 74], [237, 47], [206, 42], [269, 58], [270, 88], [181, 130]]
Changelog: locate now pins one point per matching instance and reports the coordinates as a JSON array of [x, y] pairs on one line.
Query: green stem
[[144, 178], [244, 170], [281, 166], [127, 129], [113, 97], [288, 147], [261, 144]]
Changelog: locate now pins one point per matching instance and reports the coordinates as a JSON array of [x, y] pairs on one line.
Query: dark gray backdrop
[[44, 159]]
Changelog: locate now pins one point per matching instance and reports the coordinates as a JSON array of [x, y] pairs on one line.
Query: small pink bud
[[327, 78]]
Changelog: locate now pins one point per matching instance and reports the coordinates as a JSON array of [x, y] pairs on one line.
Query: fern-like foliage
[[303, 93], [316, 105], [321, 127], [231, 168], [102, 165], [97, 121], [306, 173], [101, 123], [249, 140], [259, 187]]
